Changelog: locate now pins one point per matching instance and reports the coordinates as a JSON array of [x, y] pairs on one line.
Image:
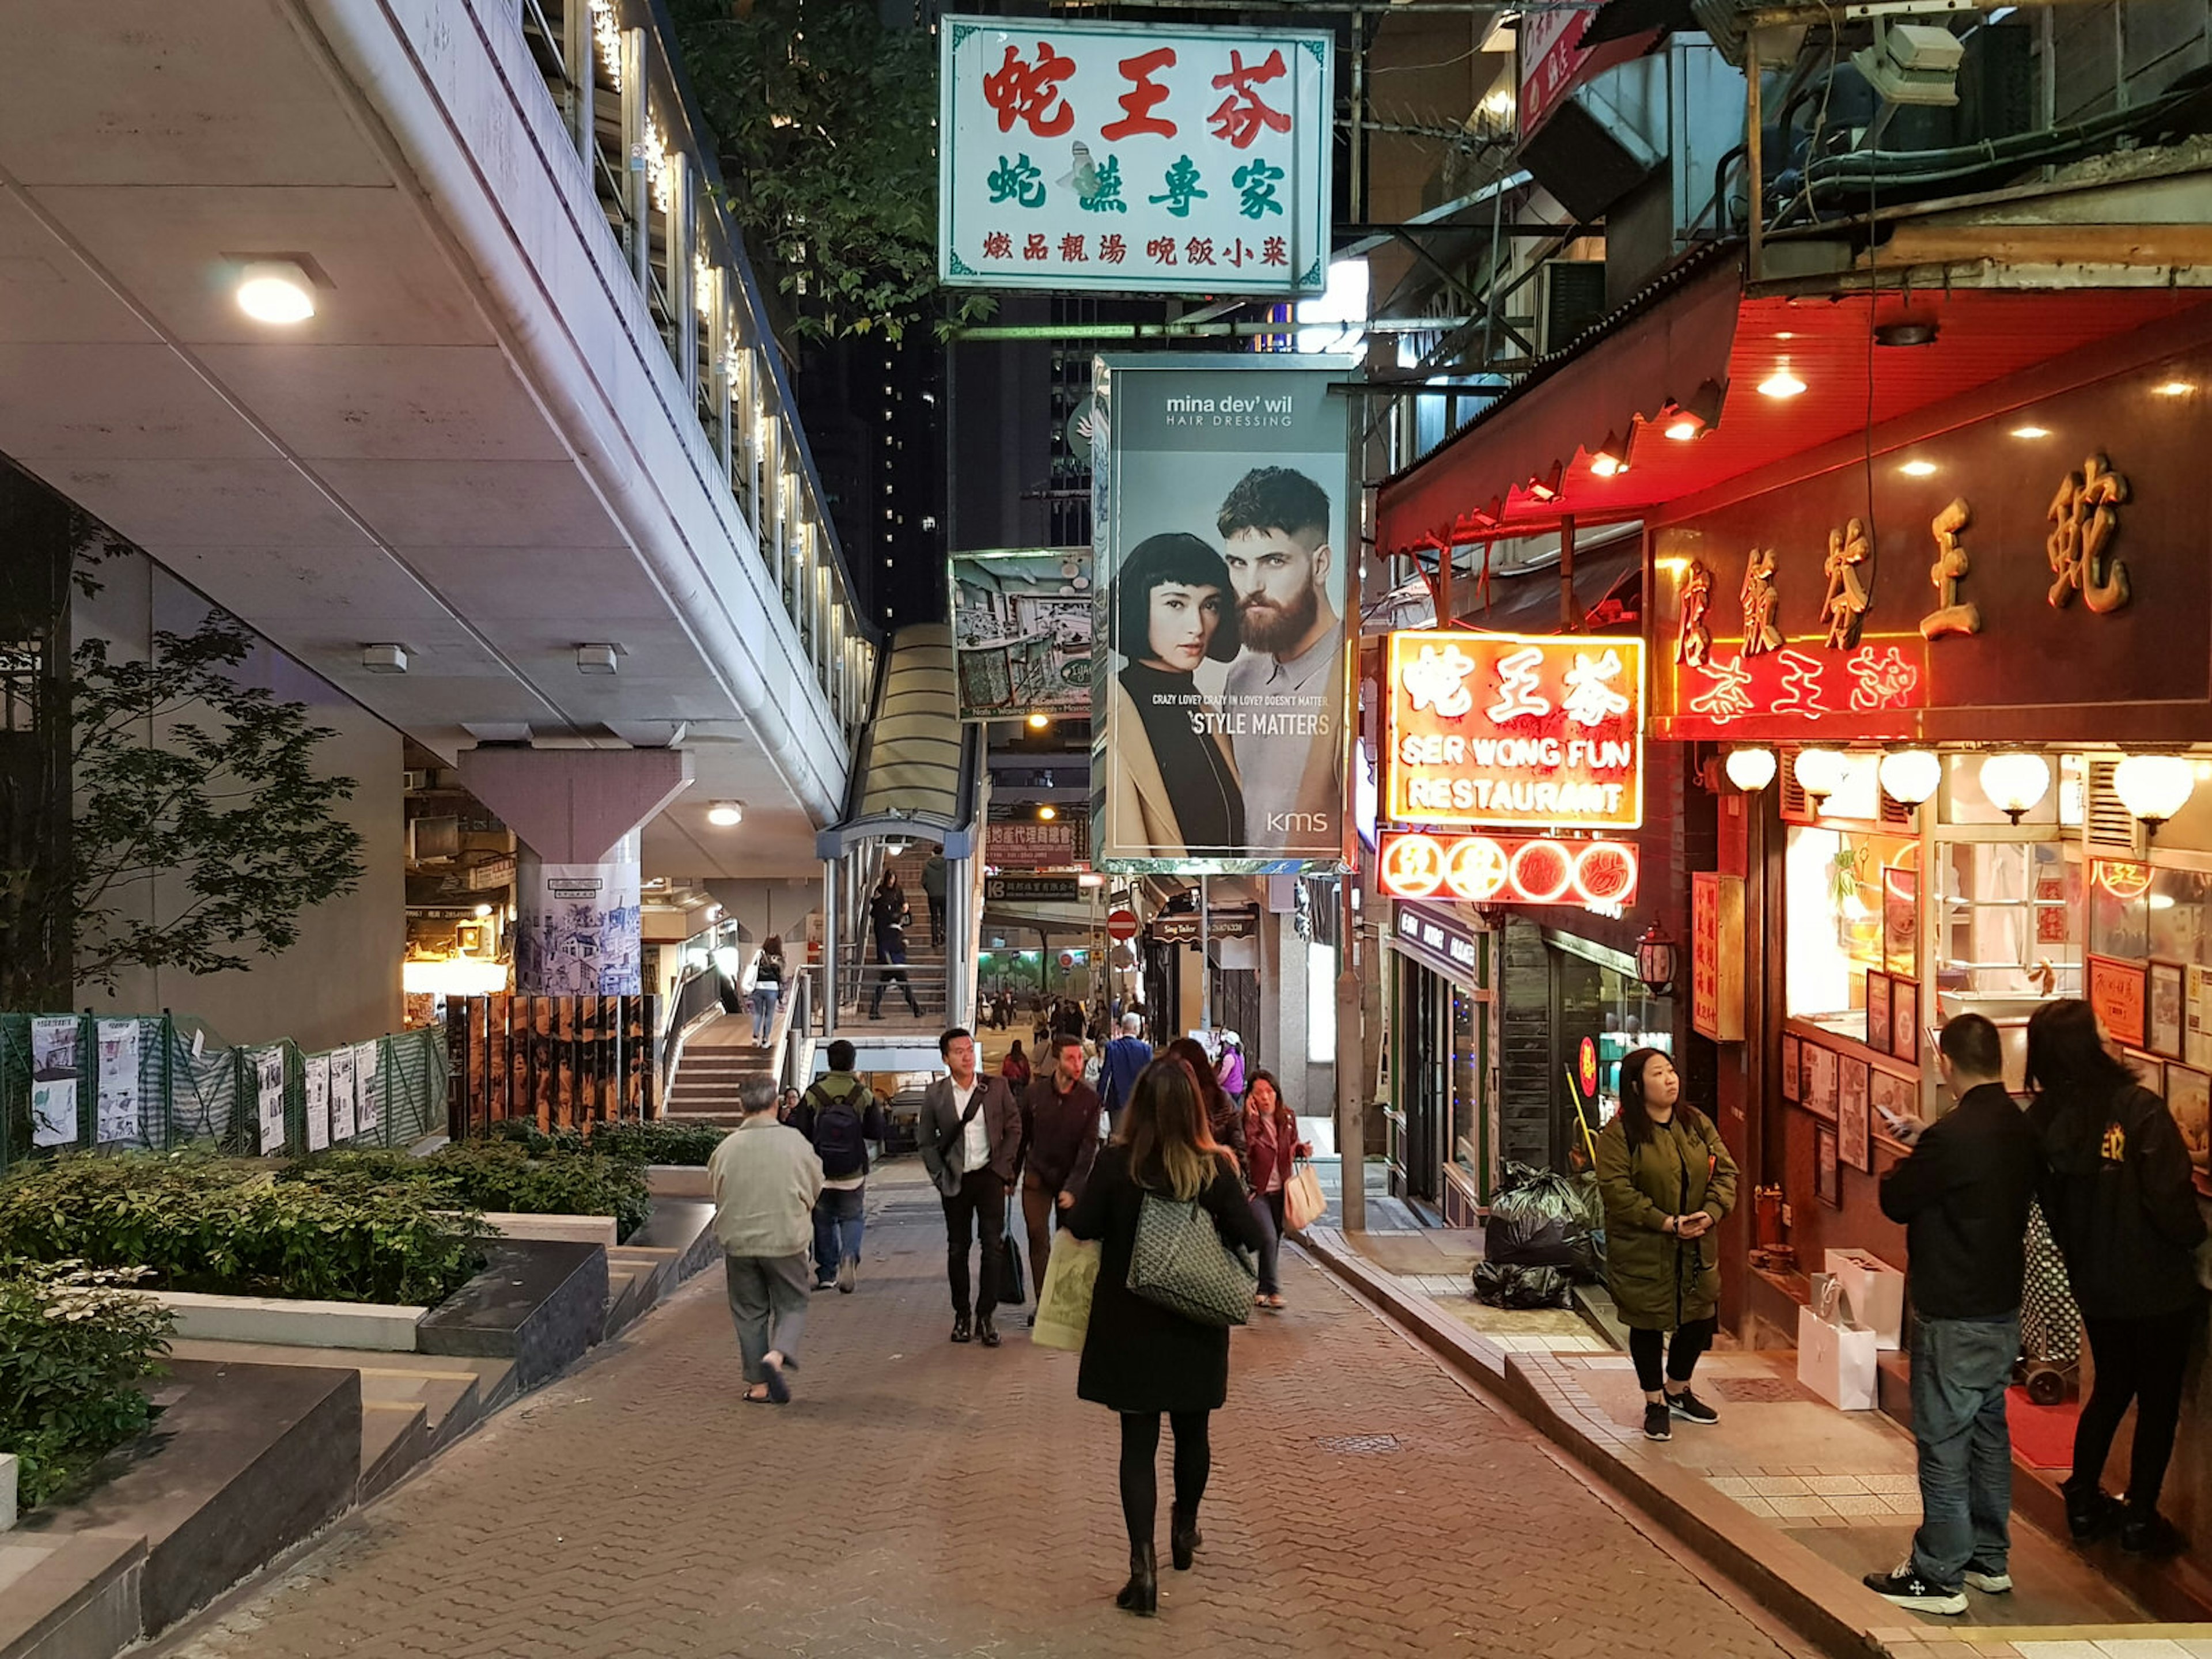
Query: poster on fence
[[53, 1081], [269, 1096], [342, 1101], [367, 1113], [318, 1069], [118, 1081]]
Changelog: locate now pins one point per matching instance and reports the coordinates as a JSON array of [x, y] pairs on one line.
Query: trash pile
[[1547, 1232]]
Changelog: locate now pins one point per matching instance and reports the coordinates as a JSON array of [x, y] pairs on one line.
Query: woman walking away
[[1225, 1121], [1668, 1182], [1015, 1067], [2117, 1192], [768, 988], [1272, 1150], [1140, 1359]]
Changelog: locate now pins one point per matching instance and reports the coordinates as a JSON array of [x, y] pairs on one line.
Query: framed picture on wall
[[1889, 1095], [2116, 992], [2149, 1070], [1851, 1080], [1877, 1011], [1793, 1081], [1905, 1021], [1820, 1081], [2189, 1098], [1828, 1177], [2164, 1019]]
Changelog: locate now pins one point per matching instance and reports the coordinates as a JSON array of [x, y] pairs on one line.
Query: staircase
[[925, 965], [716, 1057]]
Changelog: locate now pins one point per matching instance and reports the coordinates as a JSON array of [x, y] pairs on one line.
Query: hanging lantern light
[[1910, 776], [1656, 959], [1750, 769], [1820, 772], [2014, 782], [2154, 786]]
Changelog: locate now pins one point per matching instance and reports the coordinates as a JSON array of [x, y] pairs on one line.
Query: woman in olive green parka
[[1668, 1181]]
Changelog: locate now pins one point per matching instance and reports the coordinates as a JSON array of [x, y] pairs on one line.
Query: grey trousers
[[768, 1300]]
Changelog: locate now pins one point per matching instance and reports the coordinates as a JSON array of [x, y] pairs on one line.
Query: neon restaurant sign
[[1509, 870], [1514, 731]]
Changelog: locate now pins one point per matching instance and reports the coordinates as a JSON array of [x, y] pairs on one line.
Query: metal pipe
[[1185, 330], [1756, 138], [1570, 613]]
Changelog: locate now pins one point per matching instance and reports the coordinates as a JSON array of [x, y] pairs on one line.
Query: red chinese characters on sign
[[1507, 869], [1020, 846], [1506, 730], [1242, 116], [1795, 685], [1143, 95], [1029, 92]]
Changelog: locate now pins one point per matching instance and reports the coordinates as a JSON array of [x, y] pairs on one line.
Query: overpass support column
[[577, 813]]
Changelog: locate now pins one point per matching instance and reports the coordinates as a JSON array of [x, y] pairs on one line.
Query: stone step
[[395, 1435]]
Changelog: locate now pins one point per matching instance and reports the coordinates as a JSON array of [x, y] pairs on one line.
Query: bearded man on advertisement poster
[[1274, 531]]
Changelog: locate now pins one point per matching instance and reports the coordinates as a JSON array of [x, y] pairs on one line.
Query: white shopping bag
[[1874, 1291], [1837, 1362]]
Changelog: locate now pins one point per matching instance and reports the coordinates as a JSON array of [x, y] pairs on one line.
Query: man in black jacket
[[971, 1137], [1059, 1139], [1963, 1196]]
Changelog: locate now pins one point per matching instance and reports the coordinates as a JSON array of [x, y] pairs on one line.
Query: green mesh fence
[[70, 1081]]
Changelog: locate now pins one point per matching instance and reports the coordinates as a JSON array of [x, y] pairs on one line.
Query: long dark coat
[[1137, 1355], [1660, 1282]]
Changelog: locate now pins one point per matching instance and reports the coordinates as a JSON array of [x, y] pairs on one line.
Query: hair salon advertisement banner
[[1218, 509], [1136, 157]]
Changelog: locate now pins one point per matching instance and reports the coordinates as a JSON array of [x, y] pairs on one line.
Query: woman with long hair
[[1223, 1121], [1175, 790], [1015, 1067], [2117, 1195], [1140, 1359], [1272, 1150], [1668, 1181], [768, 988]]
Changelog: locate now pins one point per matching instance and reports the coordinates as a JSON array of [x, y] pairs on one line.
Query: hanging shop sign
[[1021, 633], [1716, 956], [1508, 869], [1218, 735], [1032, 890], [1134, 158], [1188, 927], [1512, 730], [1438, 940], [1030, 844]]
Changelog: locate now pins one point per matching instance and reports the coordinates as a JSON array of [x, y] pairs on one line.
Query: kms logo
[[1298, 824]]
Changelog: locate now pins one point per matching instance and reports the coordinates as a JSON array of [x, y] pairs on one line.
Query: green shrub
[[689, 1144], [200, 1223], [74, 1344], [491, 1174]]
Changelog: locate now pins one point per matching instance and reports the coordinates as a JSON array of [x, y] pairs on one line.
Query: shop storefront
[[1442, 1141]]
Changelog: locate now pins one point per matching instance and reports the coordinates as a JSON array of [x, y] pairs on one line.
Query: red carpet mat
[[2042, 1436]]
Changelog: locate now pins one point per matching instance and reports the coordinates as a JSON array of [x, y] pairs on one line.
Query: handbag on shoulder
[[1179, 1262]]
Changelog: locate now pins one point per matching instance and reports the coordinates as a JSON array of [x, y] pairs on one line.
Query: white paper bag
[[1874, 1291], [1837, 1362]]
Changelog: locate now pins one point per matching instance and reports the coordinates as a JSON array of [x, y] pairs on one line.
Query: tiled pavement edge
[[1813, 1597], [920, 1499]]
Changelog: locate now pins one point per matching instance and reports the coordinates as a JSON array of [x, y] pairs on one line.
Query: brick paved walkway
[[920, 1499]]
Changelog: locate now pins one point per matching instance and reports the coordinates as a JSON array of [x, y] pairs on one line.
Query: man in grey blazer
[[971, 1141]]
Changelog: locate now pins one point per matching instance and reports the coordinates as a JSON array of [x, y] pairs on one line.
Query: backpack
[[838, 1138]]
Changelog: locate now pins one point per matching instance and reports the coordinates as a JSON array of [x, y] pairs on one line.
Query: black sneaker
[[960, 1331], [2150, 1534], [1690, 1409], [1907, 1589], [2091, 1512], [1658, 1424]]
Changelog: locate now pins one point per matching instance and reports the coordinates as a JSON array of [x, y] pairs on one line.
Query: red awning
[[1705, 333]]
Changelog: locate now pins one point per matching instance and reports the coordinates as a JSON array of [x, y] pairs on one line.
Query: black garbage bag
[[1500, 1286], [1545, 1234]]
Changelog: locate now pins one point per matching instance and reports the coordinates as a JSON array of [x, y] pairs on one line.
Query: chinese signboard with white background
[[1134, 158]]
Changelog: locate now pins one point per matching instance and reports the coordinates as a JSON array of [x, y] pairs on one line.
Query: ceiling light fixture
[[1047, 813], [1750, 769], [1039, 720], [1918, 469], [1905, 333], [596, 658], [1606, 465], [2174, 389], [1780, 384], [1820, 772], [384, 659], [1683, 427], [2015, 782], [276, 291], [726, 814], [1909, 777], [2154, 787]]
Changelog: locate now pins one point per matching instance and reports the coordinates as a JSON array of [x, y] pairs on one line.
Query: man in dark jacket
[[1126, 1055], [1059, 1137], [1963, 1196], [839, 1115], [970, 1136]]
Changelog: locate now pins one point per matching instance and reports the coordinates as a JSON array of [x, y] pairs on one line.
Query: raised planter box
[[678, 1181], [10, 1468], [539, 1302], [382, 1326], [562, 1229]]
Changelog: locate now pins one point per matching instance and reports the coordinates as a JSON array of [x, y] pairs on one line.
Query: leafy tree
[[827, 122], [188, 777]]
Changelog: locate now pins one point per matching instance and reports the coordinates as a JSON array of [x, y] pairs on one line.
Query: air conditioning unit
[[1570, 296]]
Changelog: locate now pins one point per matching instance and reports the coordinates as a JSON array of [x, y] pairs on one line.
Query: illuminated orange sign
[[1510, 731], [1508, 870]]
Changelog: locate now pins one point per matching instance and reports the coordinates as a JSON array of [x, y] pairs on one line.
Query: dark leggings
[[2142, 1360], [1140, 1449], [1690, 1343]]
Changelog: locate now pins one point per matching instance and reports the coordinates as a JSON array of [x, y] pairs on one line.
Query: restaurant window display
[[1595, 994], [1442, 1149]]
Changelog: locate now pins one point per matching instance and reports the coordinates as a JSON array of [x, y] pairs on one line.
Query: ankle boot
[[1183, 1538], [1141, 1594]]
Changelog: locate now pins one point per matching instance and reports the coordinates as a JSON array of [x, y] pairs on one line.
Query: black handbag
[[1013, 1282]]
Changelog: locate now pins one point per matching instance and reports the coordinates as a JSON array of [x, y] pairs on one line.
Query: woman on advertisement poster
[[1177, 791]]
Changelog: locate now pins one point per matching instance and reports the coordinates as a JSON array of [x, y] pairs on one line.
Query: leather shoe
[[960, 1332], [1141, 1594], [1183, 1537], [987, 1333]]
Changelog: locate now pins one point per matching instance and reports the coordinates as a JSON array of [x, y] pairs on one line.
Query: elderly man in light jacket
[[765, 1179]]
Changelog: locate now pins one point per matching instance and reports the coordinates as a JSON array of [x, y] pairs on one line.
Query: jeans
[[764, 998], [979, 1207], [1648, 1348], [1140, 1447], [2143, 1360], [837, 1220], [767, 1301], [1960, 1370], [1265, 1208]]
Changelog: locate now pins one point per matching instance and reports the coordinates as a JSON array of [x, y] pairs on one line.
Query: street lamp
[[1750, 769], [1656, 959], [2154, 786], [2014, 782], [1819, 773], [1909, 777]]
